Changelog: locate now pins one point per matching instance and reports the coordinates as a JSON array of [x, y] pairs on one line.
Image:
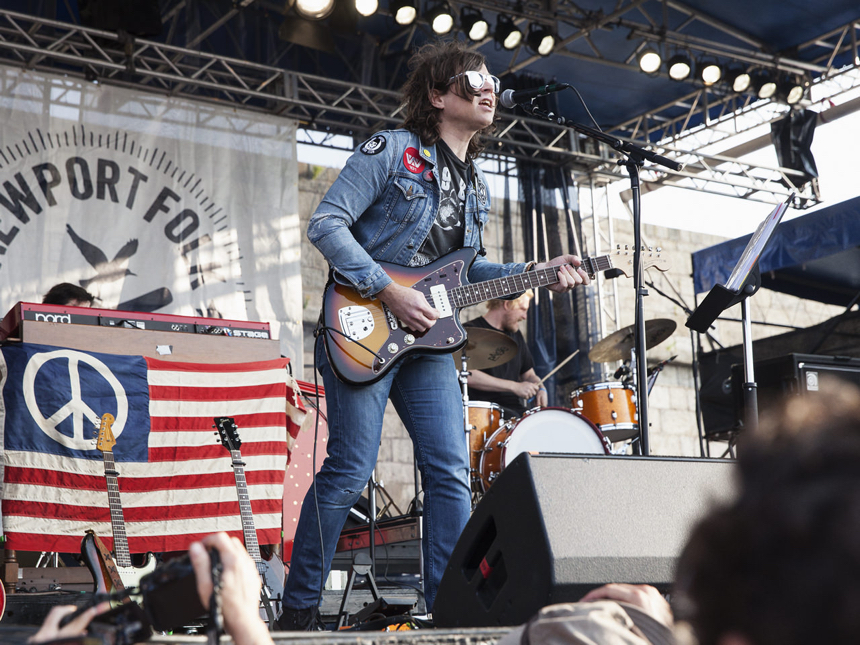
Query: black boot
[[301, 620]]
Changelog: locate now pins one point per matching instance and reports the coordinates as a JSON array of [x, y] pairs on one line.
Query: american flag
[[176, 480]]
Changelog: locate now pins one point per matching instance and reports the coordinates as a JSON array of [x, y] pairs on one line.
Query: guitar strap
[[110, 566]]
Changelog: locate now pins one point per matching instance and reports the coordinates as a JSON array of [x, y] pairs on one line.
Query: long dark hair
[[430, 68]]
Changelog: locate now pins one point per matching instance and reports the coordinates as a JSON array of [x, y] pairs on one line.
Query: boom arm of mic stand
[[630, 149]]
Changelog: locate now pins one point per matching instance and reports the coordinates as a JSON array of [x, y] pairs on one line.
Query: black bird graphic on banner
[[107, 270]]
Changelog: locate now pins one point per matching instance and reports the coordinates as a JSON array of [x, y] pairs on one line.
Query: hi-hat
[[617, 346], [487, 348]]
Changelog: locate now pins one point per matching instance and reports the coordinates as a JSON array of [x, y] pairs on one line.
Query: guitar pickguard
[[356, 321]]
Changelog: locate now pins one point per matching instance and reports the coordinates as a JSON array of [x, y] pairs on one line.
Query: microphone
[[511, 98]]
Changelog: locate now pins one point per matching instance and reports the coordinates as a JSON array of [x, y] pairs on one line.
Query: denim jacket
[[382, 207]]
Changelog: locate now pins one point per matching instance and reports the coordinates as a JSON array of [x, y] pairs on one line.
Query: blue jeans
[[425, 392]]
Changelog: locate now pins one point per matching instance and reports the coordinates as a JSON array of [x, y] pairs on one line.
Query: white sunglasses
[[477, 80]]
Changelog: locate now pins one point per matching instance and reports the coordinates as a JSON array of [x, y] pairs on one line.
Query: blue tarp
[[815, 256]]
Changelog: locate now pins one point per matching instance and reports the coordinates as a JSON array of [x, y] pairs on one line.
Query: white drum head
[[551, 430]]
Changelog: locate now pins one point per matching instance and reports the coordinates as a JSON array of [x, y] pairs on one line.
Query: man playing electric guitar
[[406, 197]]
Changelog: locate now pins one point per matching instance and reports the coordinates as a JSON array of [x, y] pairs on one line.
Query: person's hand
[[542, 398], [410, 306], [525, 389], [240, 587], [646, 597], [568, 276], [51, 630]]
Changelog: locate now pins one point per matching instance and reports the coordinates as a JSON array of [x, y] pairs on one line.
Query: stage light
[[404, 11], [710, 71], [791, 89], [739, 79], [507, 32], [679, 67], [473, 23], [763, 84], [441, 18], [314, 9], [650, 61], [540, 39], [366, 7]]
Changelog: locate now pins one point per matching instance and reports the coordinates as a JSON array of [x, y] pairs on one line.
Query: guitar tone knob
[[393, 348], [409, 339]]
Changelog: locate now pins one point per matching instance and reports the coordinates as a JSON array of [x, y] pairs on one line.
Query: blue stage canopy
[[815, 256]]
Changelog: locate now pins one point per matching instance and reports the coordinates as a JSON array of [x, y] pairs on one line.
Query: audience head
[[68, 294], [781, 565]]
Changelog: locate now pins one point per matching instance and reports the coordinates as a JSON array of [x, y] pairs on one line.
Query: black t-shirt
[[447, 234], [511, 371]]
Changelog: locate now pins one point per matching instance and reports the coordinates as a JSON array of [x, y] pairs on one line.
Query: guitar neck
[[472, 294], [117, 521], [245, 509]]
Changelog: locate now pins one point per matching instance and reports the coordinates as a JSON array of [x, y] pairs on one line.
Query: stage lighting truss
[[540, 39], [366, 7], [473, 23], [441, 18], [764, 84], [650, 61], [314, 9], [507, 33], [709, 71], [404, 11], [679, 67]]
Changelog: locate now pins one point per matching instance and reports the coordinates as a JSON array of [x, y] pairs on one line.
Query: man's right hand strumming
[[410, 306]]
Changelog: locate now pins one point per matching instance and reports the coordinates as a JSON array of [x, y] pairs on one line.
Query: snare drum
[[484, 420], [612, 408], [540, 430]]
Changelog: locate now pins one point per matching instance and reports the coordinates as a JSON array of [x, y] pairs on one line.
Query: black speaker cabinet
[[792, 375], [552, 527]]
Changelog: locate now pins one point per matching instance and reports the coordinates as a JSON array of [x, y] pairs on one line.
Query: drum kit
[[600, 414]]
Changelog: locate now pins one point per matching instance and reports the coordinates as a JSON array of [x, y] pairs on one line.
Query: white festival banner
[[151, 203]]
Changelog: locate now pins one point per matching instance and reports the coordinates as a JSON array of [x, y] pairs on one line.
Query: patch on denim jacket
[[482, 192], [374, 146], [412, 161]]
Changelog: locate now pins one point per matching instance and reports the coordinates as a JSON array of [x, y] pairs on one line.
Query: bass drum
[[545, 430]]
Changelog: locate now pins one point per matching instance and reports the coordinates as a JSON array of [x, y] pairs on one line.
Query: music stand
[[744, 281]]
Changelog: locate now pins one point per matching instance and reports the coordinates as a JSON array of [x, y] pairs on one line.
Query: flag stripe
[[176, 479]]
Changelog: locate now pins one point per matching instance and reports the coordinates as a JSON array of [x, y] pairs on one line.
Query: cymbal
[[617, 346], [486, 348]]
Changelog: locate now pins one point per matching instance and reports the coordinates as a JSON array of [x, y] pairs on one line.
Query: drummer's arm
[[531, 377], [524, 389]]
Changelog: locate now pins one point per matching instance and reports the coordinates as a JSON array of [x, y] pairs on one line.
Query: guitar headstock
[[622, 259], [229, 433], [106, 441]]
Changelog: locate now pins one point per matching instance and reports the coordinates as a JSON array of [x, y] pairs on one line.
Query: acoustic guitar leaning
[[364, 339]]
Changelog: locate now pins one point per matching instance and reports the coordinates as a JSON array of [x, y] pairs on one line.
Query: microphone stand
[[635, 159]]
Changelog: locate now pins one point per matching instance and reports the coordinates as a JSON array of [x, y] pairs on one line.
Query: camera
[[170, 596]]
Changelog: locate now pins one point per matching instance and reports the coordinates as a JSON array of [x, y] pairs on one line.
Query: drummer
[[512, 384]]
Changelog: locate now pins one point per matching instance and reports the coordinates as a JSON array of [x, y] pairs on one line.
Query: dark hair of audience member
[[66, 293], [781, 565]]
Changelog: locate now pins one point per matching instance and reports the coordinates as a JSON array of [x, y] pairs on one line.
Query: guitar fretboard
[[117, 521], [472, 294], [248, 528]]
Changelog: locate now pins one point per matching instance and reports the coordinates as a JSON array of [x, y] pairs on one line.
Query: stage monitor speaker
[[551, 528]]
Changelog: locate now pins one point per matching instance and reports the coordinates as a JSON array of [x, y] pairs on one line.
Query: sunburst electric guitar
[[96, 557], [364, 339], [272, 570]]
